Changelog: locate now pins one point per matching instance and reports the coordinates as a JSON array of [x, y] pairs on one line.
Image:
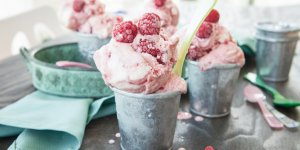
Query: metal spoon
[[288, 122], [254, 95]]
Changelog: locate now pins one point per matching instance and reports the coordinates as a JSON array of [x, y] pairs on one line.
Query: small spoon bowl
[[255, 95]]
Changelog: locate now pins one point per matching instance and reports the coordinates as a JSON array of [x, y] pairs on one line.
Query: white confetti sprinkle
[[213, 86], [181, 139], [199, 118], [118, 134], [184, 115], [235, 116], [111, 141], [181, 148]]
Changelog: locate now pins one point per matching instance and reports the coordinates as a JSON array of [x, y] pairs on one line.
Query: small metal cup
[[147, 122], [275, 44], [88, 44], [211, 91]]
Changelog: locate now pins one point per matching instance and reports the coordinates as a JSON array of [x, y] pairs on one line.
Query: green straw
[[205, 7]]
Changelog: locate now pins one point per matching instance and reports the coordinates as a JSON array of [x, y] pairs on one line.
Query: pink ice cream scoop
[[88, 16], [138, 59], [167, 11], [213, 45], [101, 25]]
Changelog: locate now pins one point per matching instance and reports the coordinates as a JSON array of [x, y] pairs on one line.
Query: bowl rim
[[42, 47], [161, 95], [218, 66]]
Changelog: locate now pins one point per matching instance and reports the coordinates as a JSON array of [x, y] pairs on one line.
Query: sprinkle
[[198, 118], [184, 115], [118, 134], [181, 139], [213, 86], [235, 116], [209, 148], [111, 141], [181, 148]]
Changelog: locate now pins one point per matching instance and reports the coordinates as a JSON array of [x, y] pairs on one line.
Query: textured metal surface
[[147, 122], [210, 91], [243, 129], [74, 82], [88, 44], [275, 51]]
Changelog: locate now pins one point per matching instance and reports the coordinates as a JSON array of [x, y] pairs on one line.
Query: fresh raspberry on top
[[159, 3], [213, 16], [147, 46], [149, 24], [205, 30], [78, 5], [125, 32]]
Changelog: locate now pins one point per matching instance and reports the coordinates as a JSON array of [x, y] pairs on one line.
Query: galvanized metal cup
[[147, 122], [88, 44], [211, 91], [276, 44]]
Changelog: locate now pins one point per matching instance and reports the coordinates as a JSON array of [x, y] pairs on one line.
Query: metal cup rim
[[218, 66], [148, 96], [293, 27], [43, 47], [85, 34], [88, 35]]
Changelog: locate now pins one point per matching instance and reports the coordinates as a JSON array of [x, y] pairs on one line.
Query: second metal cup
[[147, 121], [275, 44], [211, 91]]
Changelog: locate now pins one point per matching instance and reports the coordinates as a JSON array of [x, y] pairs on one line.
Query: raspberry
[[192, 53], [159, 3], [149, 24], [205, 30], [209, 148], [78, 5], [213, 16], [119, 19], [146, 46], [125, 32]]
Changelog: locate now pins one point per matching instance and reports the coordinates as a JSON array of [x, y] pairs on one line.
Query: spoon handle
[[271, 120], [288, 122]]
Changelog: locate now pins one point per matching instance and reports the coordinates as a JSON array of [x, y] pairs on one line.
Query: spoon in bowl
[[72, 64], [254, 95]]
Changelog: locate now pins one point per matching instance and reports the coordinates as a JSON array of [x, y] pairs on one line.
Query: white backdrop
[[12, 7]]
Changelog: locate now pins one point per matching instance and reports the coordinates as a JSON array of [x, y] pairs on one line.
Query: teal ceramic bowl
[[72, 82]]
